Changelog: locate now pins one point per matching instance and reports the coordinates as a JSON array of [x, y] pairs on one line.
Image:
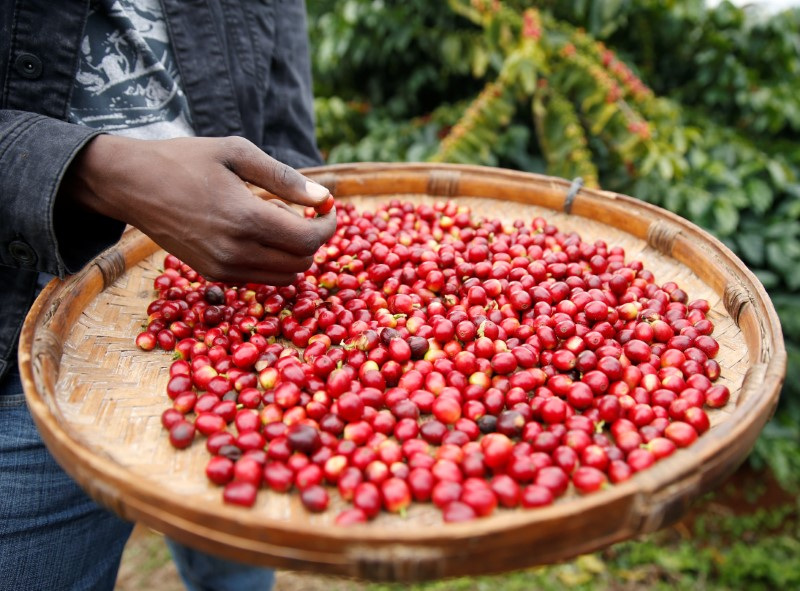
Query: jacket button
[[22, 253], [28, 66]]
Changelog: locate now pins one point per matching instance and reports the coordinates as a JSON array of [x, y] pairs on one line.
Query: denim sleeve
[[289, 131], [35, 152]]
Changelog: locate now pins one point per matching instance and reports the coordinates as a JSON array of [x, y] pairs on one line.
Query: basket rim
[[640, 490]]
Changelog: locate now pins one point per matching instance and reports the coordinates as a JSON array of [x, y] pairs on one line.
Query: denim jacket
[[244, 67]]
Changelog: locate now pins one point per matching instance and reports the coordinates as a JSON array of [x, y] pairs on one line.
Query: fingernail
[[316, 190]]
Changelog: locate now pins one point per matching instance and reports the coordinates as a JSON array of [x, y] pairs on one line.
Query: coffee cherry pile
[[431, 356]]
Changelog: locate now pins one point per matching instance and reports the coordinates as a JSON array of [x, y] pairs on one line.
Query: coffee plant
[[690, 108]]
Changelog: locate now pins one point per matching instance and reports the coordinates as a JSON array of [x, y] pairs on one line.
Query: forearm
[[190, 195]]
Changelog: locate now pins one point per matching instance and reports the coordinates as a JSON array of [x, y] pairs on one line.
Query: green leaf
[[494, 31], [665, 168], [480, 61], [451, 48], [760, 195], [698, 203], [646, 167], [679, 140], [607, 111], [751, 247], [603, 17], [788, 307], [736, 197], [778, 173], [767, 278], [674, 200], [526, 74], [779, 259], [726, 217], [350, 11], [594, 98], [790, 246], [792, 281], [698, 158], [779, 229]]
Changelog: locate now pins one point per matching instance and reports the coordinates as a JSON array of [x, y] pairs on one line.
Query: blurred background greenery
[[691, 107]]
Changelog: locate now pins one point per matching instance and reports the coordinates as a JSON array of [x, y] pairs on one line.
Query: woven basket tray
[[97, 399]]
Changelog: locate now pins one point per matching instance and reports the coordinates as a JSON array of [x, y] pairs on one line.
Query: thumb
[[261, 170]]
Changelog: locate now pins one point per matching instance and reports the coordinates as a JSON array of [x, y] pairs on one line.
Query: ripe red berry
[[181, 434], [482, 499], [396, 495], [587, 479], [219, 470], [680, 433], [315, 498], [146, 341], [324, 207], [717, 396], [303, 438], [367, 497], [534, 495], [278, 476], [351, 516], [240, 493], [457, 511]]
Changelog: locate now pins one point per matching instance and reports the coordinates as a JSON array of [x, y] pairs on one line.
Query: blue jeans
[[53, 536]]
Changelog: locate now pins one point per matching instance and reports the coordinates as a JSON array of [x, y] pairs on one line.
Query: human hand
[[191, 196]]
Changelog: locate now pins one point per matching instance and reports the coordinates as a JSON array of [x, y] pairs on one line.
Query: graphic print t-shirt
[[128, 82]]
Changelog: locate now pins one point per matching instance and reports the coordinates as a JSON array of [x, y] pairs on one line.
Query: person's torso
[[128, 82], [243, 67]]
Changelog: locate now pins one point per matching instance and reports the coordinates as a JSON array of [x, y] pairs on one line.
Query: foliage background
[[692, 108]]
